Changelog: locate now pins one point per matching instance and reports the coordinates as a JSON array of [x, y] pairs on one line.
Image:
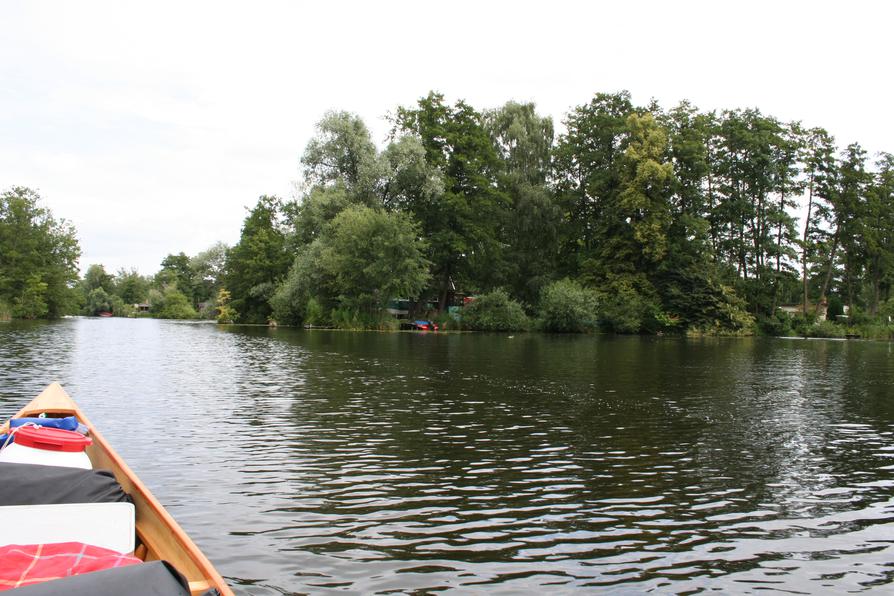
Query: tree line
[[634, 219], [184, 288]]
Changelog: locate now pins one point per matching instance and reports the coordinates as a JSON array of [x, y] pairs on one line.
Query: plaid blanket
[[22, 565]]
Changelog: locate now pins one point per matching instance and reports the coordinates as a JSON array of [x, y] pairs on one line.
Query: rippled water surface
[[335, 462]]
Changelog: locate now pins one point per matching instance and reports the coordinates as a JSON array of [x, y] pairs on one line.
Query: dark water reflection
[[318, 462]]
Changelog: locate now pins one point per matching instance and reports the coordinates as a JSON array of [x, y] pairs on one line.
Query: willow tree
[[524, 142], [409, 180], [207, 271], [373, 256], [342, 152], [364, 258], [310, 216]]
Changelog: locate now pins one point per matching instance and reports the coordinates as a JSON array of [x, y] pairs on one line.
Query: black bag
[[157, 578], [32, 484]]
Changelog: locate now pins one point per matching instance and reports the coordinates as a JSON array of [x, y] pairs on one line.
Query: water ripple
[[413, 463]]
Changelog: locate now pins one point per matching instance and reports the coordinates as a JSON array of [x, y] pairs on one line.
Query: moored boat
[[158, 536]]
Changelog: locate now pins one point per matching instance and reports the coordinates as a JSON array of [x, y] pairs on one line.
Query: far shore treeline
[[637, 219]]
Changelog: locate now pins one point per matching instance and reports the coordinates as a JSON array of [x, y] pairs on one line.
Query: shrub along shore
[[636, 219]]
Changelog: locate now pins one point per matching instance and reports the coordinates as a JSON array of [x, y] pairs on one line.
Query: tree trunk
[[778, 253], [711, 221], [824, 289], [445, 290], [759, 225], [849, 281], [804, 246], [779, 232]]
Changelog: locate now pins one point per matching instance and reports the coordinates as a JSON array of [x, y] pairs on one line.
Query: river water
[[336, 462]]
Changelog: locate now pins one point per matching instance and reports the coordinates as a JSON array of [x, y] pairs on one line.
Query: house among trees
[[797, 309]]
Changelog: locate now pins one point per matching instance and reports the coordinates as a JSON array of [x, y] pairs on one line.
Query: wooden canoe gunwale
[[159, 534]]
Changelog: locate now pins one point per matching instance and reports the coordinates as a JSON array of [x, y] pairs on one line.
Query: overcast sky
[[153, 125]]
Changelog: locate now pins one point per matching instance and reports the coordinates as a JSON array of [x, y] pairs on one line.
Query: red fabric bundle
[[22, 565]]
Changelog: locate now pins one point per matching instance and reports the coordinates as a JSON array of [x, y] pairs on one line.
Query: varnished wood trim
[[160, 535]]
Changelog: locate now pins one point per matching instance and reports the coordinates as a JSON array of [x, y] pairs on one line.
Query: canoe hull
[[159, 536]]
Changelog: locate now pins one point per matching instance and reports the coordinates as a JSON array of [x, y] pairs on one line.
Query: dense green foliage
[[634, 219], [361, 260], [131, 287], [171, 303], [296, 298], [123, 293], [258, 262], [372, 255], [98, 301], [531, 223], [463, 223], [495, 311], [38, 258], [568, 307]]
